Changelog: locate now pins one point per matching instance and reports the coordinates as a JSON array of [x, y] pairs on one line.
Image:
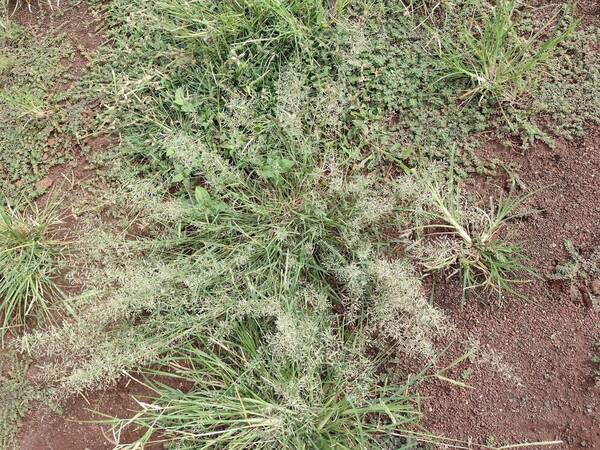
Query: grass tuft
[[242, 398], [28, 254], [494, 60], [467, 241]]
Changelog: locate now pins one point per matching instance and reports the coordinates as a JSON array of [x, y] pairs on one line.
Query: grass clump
[[28, 254], [466, 241], [272, 219], [241, 248], [495, 60], [246, 397]]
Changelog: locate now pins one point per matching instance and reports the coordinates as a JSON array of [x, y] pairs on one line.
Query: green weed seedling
[[582, 274]]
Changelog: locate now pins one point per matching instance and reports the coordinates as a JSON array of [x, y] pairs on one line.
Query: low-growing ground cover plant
[[16, 396], [30, 68], [581, 272]]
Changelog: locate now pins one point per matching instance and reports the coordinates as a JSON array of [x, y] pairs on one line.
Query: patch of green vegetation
[[246, 397], [16, 396], [494, 60], [259, 209], [369, 78], [276, 158], [570, 98], [467, 241], [582, 273], [30, 67], [28, 255], [566, 98]]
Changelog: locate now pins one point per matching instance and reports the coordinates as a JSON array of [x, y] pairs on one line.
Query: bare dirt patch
[[75, 428]]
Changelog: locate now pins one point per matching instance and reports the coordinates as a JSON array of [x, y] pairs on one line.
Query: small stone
[[44, 184]]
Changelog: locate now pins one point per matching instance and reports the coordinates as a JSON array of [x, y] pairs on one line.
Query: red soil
[[536, 382]]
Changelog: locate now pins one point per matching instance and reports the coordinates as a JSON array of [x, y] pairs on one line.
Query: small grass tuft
[[494, 60], [468, 241], [27, 260]]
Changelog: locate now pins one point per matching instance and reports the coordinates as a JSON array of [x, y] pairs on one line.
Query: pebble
[[575, 294]]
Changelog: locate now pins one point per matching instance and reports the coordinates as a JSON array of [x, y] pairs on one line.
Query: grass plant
[[28, 252], [242, 397], [467, 240], [494, 60]]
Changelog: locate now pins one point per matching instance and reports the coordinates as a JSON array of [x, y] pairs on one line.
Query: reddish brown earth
[[533, 376], [536, 379], [43, 429]]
